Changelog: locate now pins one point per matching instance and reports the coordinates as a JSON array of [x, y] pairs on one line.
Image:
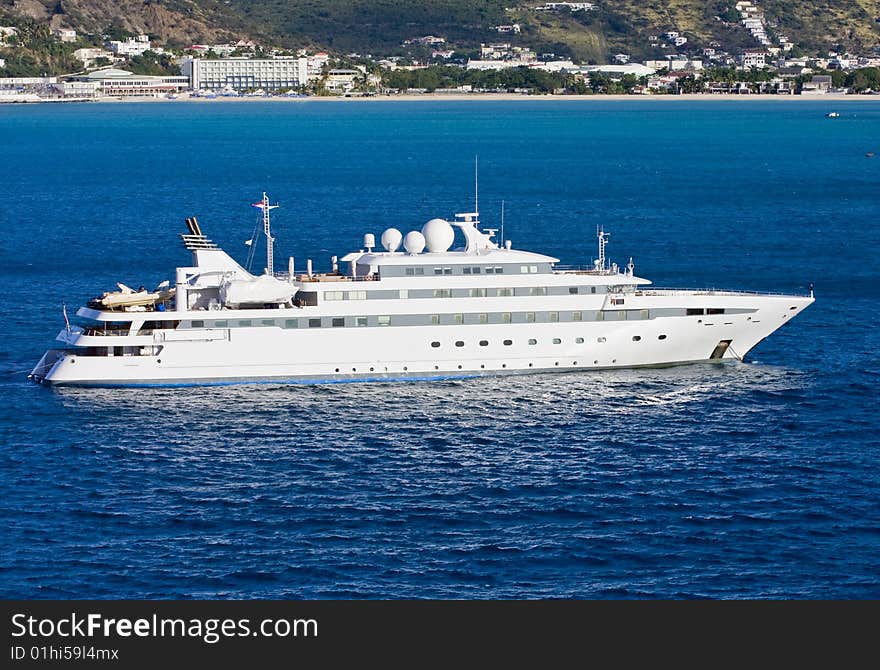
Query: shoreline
[[476, 97]]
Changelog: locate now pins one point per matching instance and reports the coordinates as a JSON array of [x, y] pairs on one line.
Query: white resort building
[[122, 83], [240, 74]]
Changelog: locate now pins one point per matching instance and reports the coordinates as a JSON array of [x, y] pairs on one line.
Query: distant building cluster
[[571, 6], [243, 67]]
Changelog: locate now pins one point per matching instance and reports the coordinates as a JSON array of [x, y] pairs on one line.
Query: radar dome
[[414, 242], [391, 239], [438, 235]]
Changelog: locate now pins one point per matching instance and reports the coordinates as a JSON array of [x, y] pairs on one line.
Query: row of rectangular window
[[470, 270], [429, 319], [307, 298]]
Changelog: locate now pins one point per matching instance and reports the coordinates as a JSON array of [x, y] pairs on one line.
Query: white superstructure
[[420, 310]]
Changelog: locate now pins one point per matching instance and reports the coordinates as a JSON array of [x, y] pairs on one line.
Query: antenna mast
[[477, 186], [603, 240], [267, 230], [502, 223]]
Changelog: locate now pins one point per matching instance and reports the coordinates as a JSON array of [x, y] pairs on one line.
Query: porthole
[[600, 340], [482, 367], [435, 344], [661, 337], [533, 341], [158, 360], [459, 343], [530, 365], [574, 362], [436, 367], [459, 367], [354, 369], [405, 368], [371, 369], [637, 338], [556, 340], [579, 340], [507, 343], [556, 363], [484, 343], [337, 369], [504, 365], [614, 360], [595, 362]]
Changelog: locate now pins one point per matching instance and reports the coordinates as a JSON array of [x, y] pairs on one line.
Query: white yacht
[[425, 311]]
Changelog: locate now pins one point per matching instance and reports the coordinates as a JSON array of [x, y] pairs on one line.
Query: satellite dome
[[391, 239], [438, 235], [414, 242]]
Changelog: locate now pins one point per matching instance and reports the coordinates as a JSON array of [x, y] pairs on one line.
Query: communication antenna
[[502, 223], [267, 230], [477, 184]]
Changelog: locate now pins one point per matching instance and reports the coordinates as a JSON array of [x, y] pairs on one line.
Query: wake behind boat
[[426, 311]]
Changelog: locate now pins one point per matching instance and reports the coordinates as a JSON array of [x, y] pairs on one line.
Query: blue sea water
[[754, 480]]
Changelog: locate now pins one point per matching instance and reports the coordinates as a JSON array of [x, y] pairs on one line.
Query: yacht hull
[[328, 355]]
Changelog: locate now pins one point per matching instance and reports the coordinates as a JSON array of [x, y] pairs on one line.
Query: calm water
[[748, 480]]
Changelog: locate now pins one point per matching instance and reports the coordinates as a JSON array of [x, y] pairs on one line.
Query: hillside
[[379, 26]]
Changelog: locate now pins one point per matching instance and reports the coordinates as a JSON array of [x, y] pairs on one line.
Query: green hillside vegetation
[[378, 27], [35, 52]]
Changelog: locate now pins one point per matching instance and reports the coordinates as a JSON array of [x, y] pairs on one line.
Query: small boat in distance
[[832, 115]]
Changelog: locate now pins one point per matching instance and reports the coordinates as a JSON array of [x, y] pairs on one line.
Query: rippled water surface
[[748, 480]]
